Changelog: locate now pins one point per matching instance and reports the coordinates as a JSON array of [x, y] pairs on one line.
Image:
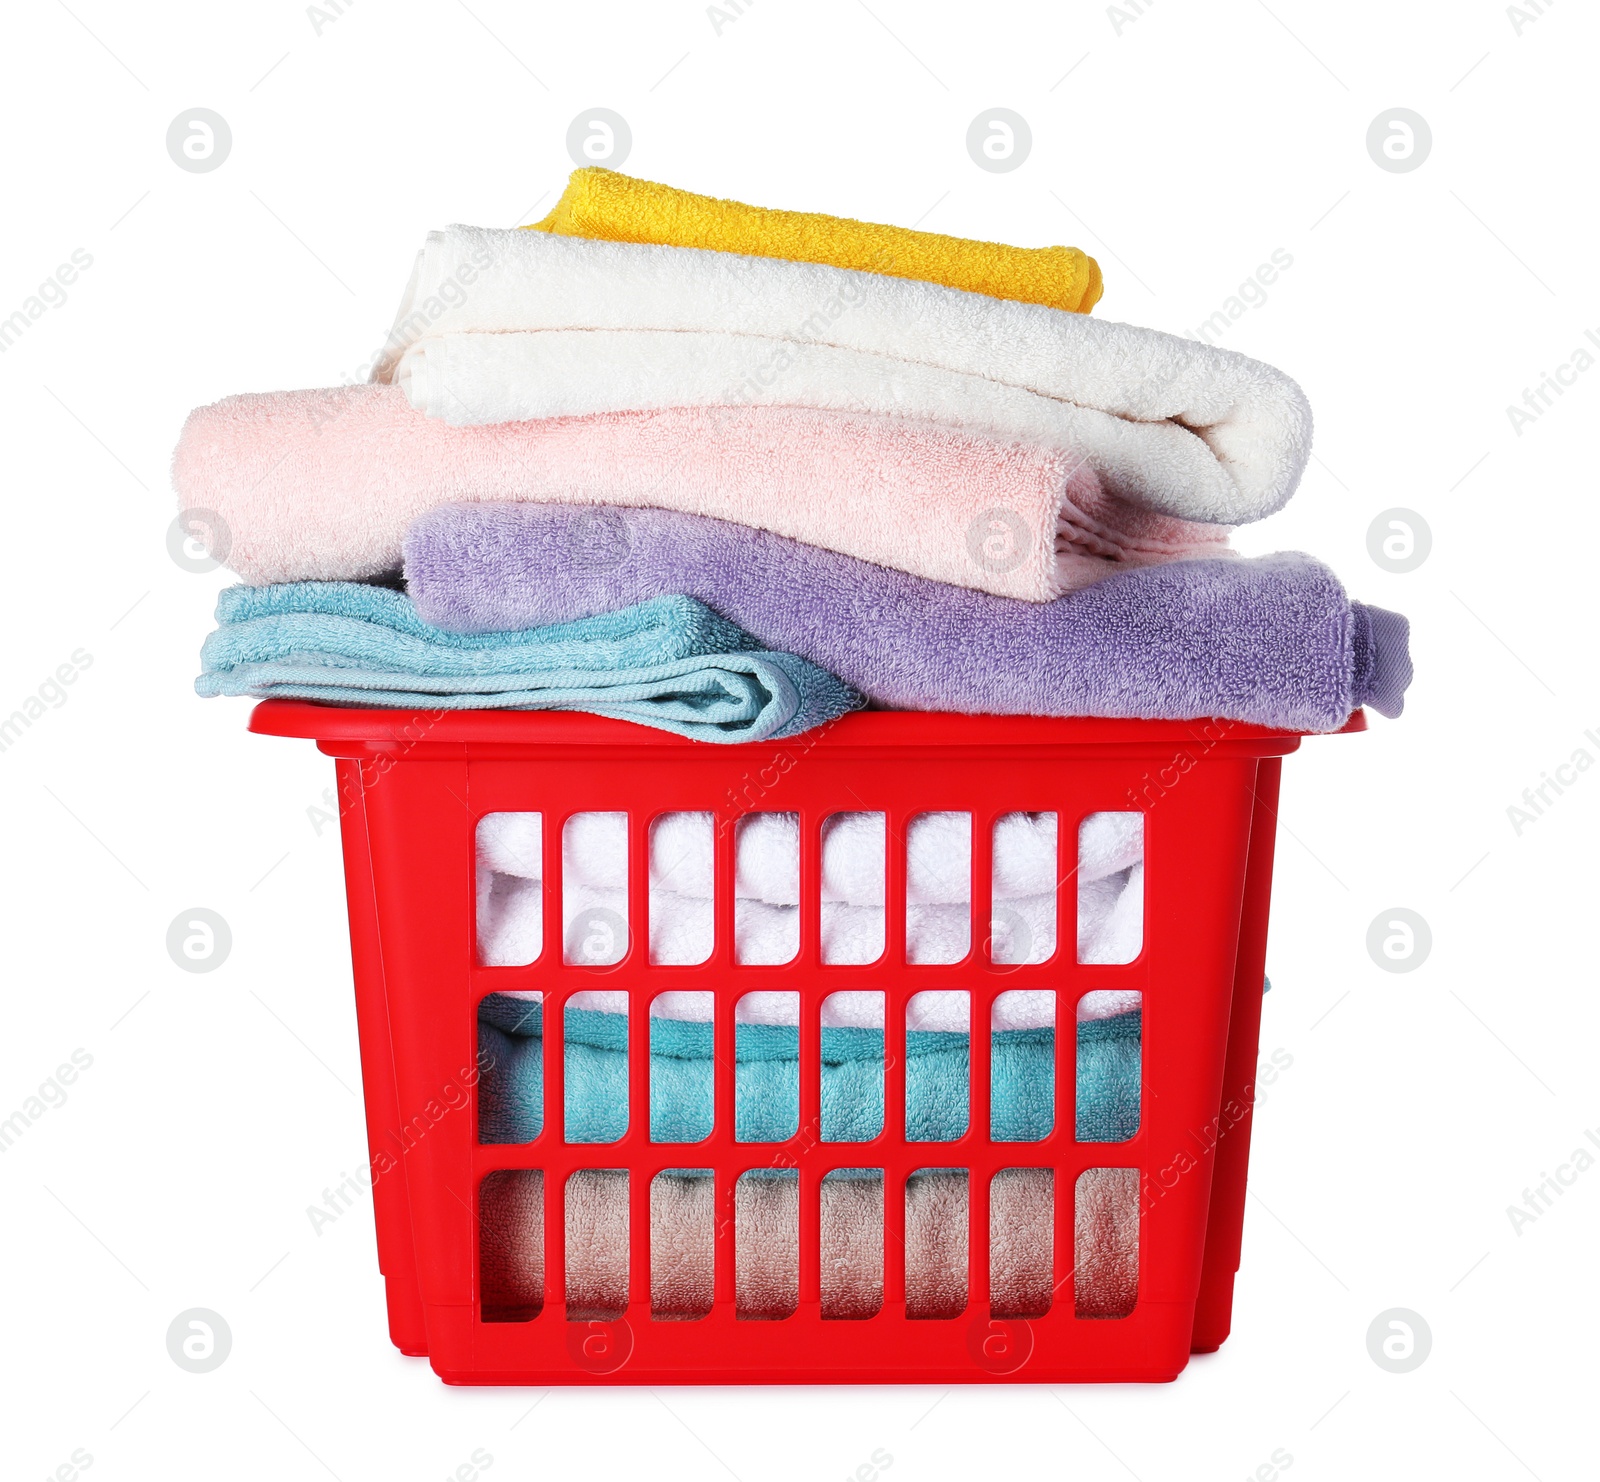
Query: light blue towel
[[767, 1080], [671, 663]]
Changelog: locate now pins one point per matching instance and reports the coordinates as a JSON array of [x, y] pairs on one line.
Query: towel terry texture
[[602, 203], [766, 1202], [1272, 640], [672, 664], [1172, 424], [321, 485]]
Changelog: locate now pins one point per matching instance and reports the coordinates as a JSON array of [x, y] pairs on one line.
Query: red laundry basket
[[412, 788]]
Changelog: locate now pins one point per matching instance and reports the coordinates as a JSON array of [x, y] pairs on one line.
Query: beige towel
[[1106, 1237], [766, 1251], [683, 1222], [1021, 1242], [851, 1247], [511, 1244]]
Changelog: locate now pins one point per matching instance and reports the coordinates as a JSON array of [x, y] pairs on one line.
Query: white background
[[1181, 146]]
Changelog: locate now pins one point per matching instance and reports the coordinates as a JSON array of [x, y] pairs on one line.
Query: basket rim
[[311, 720]]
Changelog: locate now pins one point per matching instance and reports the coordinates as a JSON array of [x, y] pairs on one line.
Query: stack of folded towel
[[869, 465]]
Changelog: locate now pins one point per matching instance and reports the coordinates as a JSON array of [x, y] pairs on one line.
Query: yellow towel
[[602, 203]]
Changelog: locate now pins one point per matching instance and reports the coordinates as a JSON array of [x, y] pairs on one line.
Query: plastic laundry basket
[[412, 788]]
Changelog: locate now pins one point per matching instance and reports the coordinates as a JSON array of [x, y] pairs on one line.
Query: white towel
[[1172, 424], [938, 845], [854, 851], [1022, 927], [1117, 936]]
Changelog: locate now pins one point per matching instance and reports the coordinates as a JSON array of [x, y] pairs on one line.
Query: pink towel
[[320, 485]]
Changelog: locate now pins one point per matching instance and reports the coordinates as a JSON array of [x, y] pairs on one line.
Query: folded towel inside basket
[[1022, 913], [1023, 1109]]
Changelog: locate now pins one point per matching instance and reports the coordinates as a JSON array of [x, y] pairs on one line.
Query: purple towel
[[1273, 640]]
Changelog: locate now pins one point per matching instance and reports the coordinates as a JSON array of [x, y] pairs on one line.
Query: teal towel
[[671, 663], [767, 1080]]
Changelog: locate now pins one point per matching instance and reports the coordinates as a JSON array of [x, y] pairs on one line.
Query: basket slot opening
[[767, 1067], [682, 874], [1105, 1274], [1110, 1065], [855, 864], [508, 848], [511, 1245], [1111, 887], [594, 889], [594, 1066], [596, 1244], [938, 1065], [682, 1244], [1022, 1232], [852, 1070], [1024, 873], [851, 1243], [510, 1067], [766, 907], [936, 1242], [682, 1093], [766, 1244], [938, 887], [1022, 1065]]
